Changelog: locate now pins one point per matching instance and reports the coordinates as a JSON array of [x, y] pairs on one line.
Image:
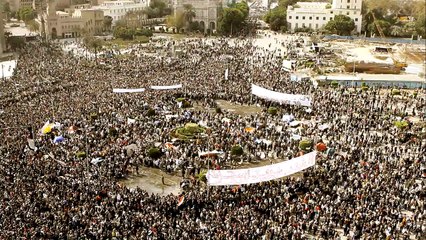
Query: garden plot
[[243, 110], [149, 179]]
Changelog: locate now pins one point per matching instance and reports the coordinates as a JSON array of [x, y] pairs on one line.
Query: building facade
[[118, 9], [206, 12], [316, 15], [72, 22]]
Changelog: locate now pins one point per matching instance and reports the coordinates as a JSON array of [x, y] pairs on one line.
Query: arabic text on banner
[[260, 174]]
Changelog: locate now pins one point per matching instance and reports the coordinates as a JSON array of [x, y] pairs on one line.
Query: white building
[[118, 9], [315, 15]]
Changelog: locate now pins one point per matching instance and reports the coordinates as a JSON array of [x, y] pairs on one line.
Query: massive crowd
[[371, 187]]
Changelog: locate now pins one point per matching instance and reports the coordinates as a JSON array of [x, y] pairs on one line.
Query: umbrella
[[58, 139], [47, 128]]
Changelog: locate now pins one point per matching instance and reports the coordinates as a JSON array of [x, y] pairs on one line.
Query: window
[[356, 19], [297, 17], [347, 13], [348, 7], [310, 25], [349, 1], [331, 12], [289, 17], [331, 18], [317, 18], [323, 18], [303, 18], [316, 26], [310, 18]]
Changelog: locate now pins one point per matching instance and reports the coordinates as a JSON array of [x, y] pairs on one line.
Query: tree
[[189, 13], [5, 7], [94, 44], [383, 24], [157, 9], [177, 21], [107, 23], [232, 19], [124, 33], [33, 25], [341, 25], [285, 3], [277, 19], [26, 14], [420, 16]]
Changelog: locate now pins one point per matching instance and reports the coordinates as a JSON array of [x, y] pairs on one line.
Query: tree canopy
[[233, 18], [277, 19], [341, 25], [26, 14]]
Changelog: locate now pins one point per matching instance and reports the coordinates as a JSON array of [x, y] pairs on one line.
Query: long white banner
[[166, 87], [260, 174], [122, 90], [292, 99]]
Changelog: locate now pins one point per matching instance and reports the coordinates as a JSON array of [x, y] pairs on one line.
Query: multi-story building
[[71, 22], [316, 15], [118, 9], [206, 12]]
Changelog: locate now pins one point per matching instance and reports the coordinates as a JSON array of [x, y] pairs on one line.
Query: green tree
[[341, 25], [94, 44], [277, 19], [157, 9], [420, 16], [178, 20], [26, 14], [189, 13], [107, 23], [383, 24], [33, 25], [233, 19], [124, 33], [285, 3]]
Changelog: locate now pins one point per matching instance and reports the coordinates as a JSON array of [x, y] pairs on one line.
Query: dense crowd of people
[[371, 185]]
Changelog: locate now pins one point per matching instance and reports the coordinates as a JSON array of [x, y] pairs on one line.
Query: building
[[206, 12], [71, 22], [316, 15], [15, 5], [118, 9]]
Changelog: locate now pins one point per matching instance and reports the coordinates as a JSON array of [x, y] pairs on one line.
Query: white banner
[[166, 87], [292, 99], [226, 74], [122, 90], [260, 174]]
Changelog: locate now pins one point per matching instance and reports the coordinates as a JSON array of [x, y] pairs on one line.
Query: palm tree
[[396, 31], [189, 13]]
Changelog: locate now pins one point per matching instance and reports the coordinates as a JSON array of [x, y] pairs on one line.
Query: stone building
[[71, 22], [206, 12]]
